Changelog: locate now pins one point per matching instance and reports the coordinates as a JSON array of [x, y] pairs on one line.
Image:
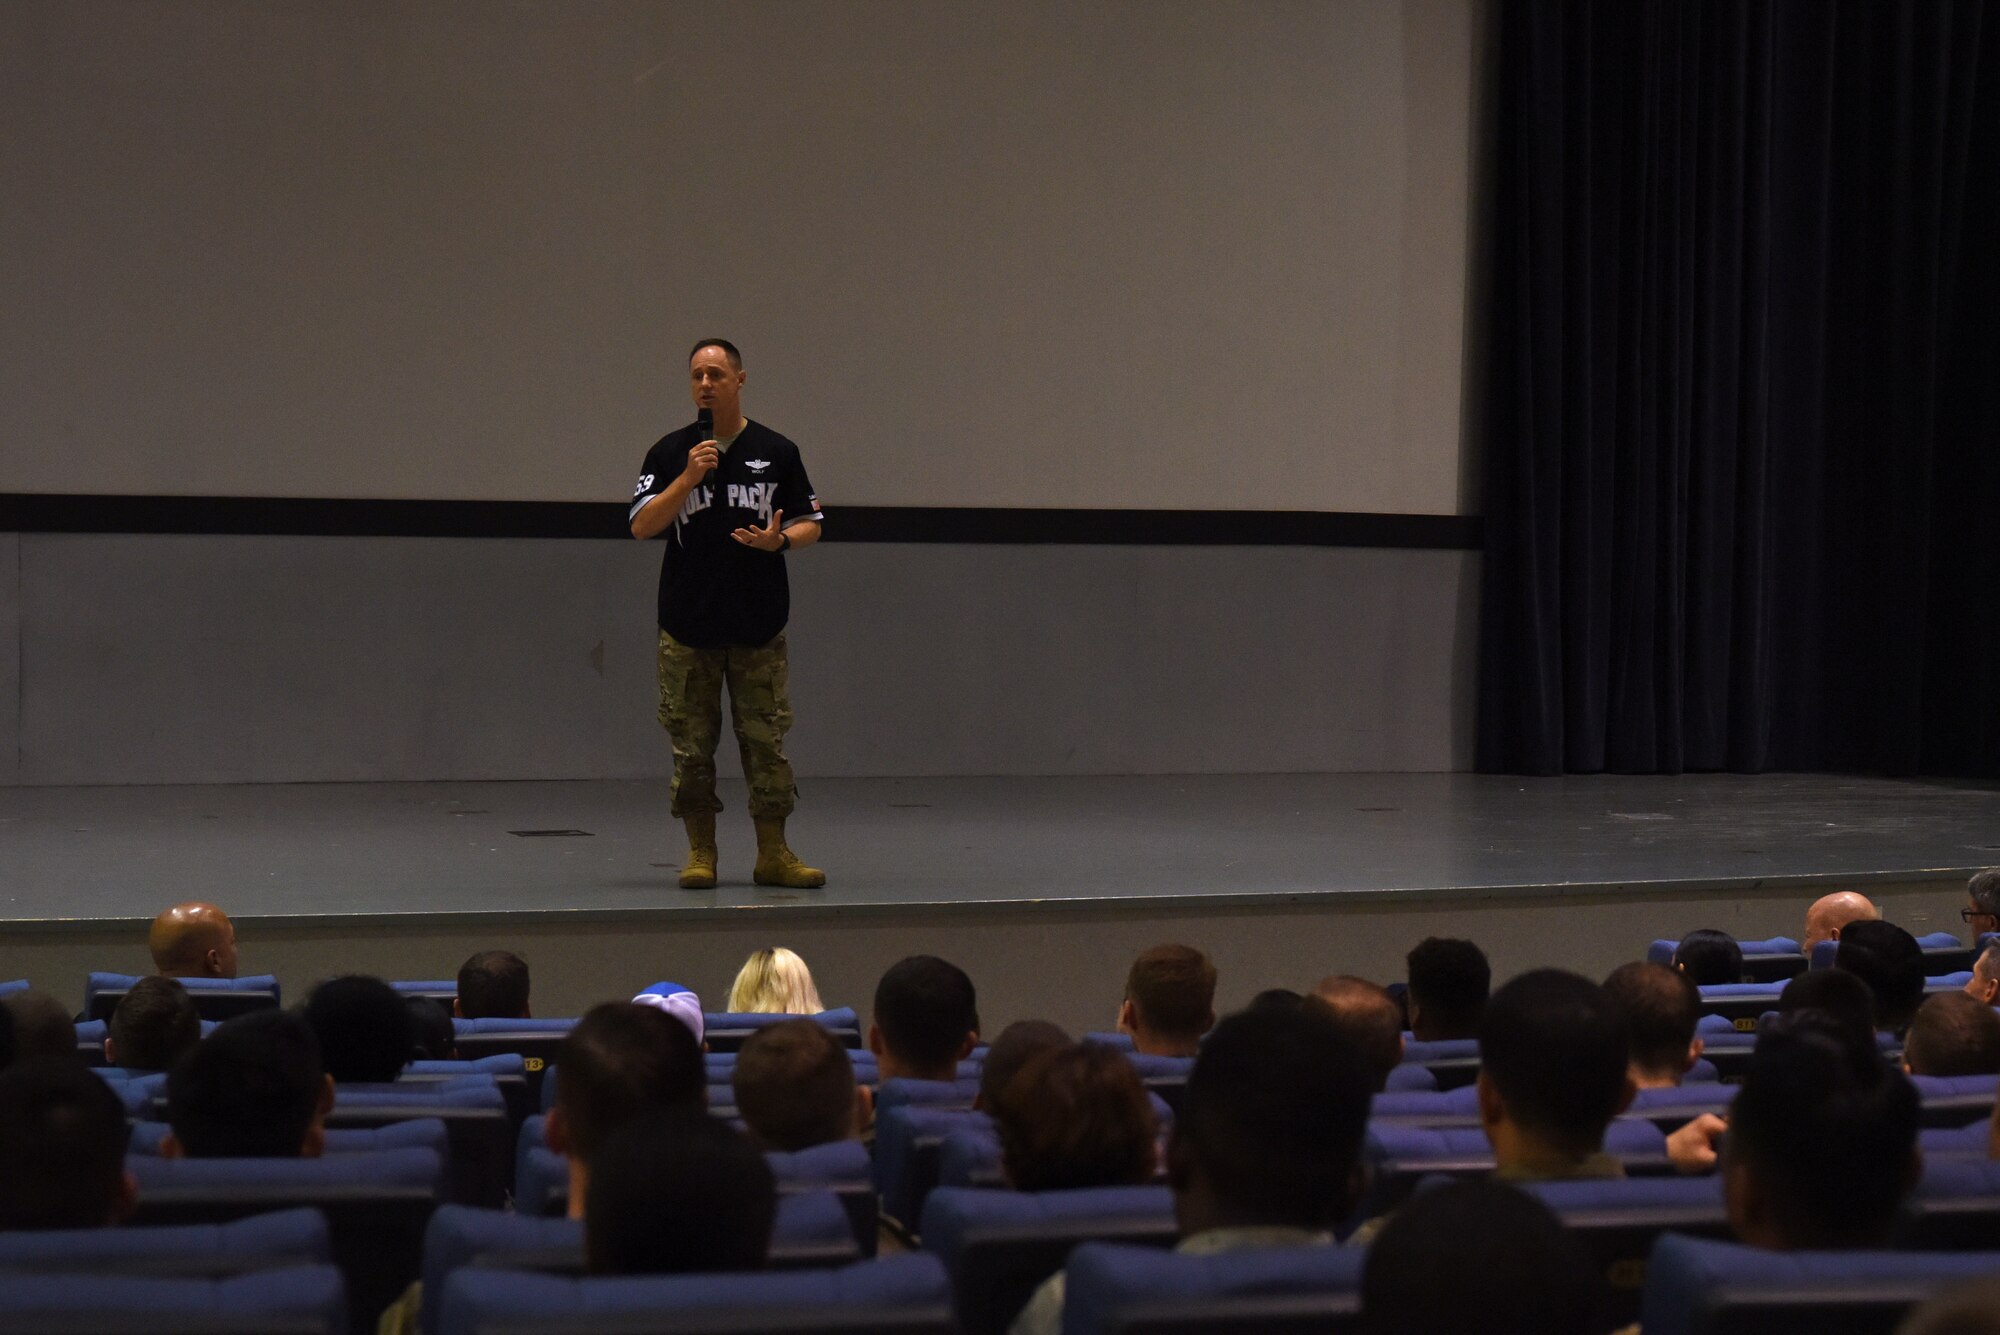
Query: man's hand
[[763, 539], [702, 461], [1691, 1149]]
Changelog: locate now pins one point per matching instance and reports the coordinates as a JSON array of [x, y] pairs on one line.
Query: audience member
[[1449, 982], [774, 981], [1830, 914], [926, 1019], [62, 1148], [1276, 998], [492, 985], [153, 1025], [680, 1003], [42, 1026], [1984, 985], [795, 1087], [1661, 1007], [1953, 1035], [1982, 902], [363, 1029], [621, 1060], [1836, 993], [1019, 1043], [1553, 1073], [677, 1192], [1076, 1116], [1709, 958], [1890, 961], [193, 941], [1266, 1151], [1169, 1001], [432, 1037], [1477, 1257], [1971, 1308], [1822, 1144], [1370, 1019], [254, 1088]]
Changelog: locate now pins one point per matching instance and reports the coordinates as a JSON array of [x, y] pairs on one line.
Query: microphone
[[704, 427]]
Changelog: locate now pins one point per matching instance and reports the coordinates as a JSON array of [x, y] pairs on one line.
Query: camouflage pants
[[760, 708]]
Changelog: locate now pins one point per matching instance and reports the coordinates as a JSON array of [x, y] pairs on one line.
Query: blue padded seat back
[[1703, 1072], [836, 1161], [1710, 1025], [1619, 1220], [907, 1141], [184, 1251], [1411, 1079], [250, 1181], [1699, 1286], [1439, 1050], [214, 998], [1674, 1107], [725, 1031], [903, 1092], [437, 989], [498, 1064], [1956, 1140], [898, 1294], [296, 1300], [486, 1028], [478, 1127], [423, 1133], [1116, 1287], [9, 988], [1000, 1245], [1955, 1100], [1955, 1207], [1943, 953], [970, 1157], [1452, 1107], [1110, 1039]]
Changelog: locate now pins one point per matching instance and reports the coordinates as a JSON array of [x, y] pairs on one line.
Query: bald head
[[1830, 913], [1370, 1019], [193, 941]]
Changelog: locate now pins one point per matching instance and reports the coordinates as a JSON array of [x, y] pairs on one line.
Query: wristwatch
[[784, 542]]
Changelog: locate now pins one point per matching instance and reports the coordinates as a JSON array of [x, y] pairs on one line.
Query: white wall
[[1177, 254]]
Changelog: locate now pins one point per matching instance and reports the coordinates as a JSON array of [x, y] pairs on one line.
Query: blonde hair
[[774, 981]]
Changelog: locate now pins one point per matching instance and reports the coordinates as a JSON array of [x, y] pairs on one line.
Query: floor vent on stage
[[552, 834]]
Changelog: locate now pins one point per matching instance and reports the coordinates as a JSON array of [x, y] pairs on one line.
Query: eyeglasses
[[1968, 914]]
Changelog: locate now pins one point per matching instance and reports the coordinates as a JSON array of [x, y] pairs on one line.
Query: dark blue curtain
[[1742, 422]]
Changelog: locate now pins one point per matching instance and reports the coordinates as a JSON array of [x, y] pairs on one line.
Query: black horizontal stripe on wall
[[348, 518]]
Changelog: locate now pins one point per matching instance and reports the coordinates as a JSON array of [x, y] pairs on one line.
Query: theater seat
[[842, 1167], [1697, 1286], [902, 1092], [998, 1246], [1970, 1139], [1411, 1079], [907, 1140], [1955, 1100], [183, 1251], [1619, 1220], [727, 1031], [1955, 1207], [1943, 953], [294, 1300], [214, 998], [1452, 1107], [969, 1156], [902, 1295], [1774, 959], [444, 991], [8, 989], [1405, 1155], [1671, 1109], [422, 1134], [1452, 1062], [477, 1125], [1741, 1003], [1145, 1290], [535, 1040], [376, 1205]]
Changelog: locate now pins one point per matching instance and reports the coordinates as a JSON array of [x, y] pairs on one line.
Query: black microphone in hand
[[704, 426]]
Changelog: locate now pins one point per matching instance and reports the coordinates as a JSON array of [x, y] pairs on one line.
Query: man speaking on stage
[[721, 490]]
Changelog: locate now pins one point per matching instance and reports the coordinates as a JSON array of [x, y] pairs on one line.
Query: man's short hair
[[1984, 890], [493, 985], [249, 1090], [1827, 1127], [1371, 1020], [1273, 1116], [363, 1029], [42, 1025], [1477, 1254], [675, 1191], [62, 1145], [1953, 1035], [1276, 999], [1835, 993], [728, 349], [1449, 980], [926, 1008], [1018, 1044], [621, 1060], [1890, 961], [1555, 1049], [1661, 1007], [1076, 1116], [432, 1037], [1710, 958], [794, 1086], [1173, 990], [153, 1025]]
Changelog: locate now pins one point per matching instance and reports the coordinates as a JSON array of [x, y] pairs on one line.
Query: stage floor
[[438, 850]]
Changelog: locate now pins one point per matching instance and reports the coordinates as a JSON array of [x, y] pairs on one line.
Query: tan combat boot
[[699, 874], [778, 865]]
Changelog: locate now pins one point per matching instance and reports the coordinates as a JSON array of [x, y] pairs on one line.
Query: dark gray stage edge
[[1043, 888]]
